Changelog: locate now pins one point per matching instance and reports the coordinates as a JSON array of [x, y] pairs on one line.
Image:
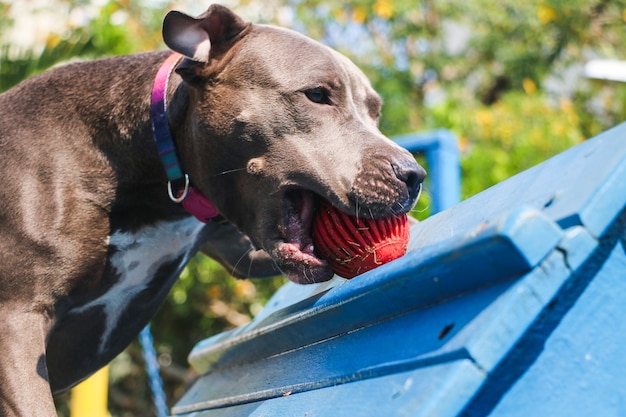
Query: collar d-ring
[[182, 196]]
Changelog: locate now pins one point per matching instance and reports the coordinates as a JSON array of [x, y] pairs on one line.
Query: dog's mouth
[[294, 253]]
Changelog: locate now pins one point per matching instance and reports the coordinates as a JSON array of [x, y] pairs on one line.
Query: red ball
[[354, 245]]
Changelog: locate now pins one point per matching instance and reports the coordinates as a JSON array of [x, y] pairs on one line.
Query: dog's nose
[[412, 174]]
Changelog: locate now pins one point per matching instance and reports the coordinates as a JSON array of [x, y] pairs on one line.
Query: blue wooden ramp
[[511, 303]]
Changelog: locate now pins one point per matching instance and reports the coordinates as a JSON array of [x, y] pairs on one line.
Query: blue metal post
[[444, 167], [152, 367]]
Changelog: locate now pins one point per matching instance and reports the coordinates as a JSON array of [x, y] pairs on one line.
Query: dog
[[116, 171]]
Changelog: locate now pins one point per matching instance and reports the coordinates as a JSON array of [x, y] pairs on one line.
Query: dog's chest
[[142, 261], [137, 256]]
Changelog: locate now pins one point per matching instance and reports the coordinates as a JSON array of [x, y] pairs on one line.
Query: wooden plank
[[580, 369], [482, 326], [493, 252], [400, 344], [440, 390]]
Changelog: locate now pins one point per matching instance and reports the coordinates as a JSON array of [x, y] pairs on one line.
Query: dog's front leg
[[24, 388], [234, 251]]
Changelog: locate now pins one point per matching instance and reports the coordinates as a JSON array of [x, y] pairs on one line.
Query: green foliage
[[126, 27], [15, 65], [509, 136], [207, 300]]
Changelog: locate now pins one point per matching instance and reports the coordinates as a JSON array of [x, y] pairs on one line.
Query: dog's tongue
[[296, 255], [354, 245]]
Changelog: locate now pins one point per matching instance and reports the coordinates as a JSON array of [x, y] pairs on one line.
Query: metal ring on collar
[[183, 195]]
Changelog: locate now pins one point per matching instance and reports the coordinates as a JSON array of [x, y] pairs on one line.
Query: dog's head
[[275, 123]]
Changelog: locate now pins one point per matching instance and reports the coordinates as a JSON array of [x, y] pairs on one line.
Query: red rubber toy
[[354, 245]]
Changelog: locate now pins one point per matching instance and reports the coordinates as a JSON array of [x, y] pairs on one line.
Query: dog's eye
[[318, 95]]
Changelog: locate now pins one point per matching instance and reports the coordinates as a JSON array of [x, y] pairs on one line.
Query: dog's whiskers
[[308, 279], [230, 171], [419, 194], [249, 274], [400, 207], [415, 210], [232, 272]]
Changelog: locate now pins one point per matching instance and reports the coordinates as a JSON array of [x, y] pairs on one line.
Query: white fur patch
[[137, 258]]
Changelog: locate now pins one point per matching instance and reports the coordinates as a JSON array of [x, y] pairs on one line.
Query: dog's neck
[[179, 188]]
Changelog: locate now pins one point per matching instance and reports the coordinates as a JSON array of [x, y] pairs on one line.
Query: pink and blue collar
[[190, 197]]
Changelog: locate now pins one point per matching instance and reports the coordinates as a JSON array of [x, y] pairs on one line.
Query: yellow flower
[[484, 118], [464, 144], [214, 292], [546, 14], [359, 14], [529, 86], [244, 288], [53, 40], [566, 104], [383, 8]]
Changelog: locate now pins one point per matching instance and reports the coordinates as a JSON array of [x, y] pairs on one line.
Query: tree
[[506, 77]]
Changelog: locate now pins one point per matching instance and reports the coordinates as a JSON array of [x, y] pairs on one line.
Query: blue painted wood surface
[[509, 303]]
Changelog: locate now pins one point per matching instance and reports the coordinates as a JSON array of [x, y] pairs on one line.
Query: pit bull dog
[[113, 172]]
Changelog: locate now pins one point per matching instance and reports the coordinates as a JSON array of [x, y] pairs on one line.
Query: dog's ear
[[208, 35]]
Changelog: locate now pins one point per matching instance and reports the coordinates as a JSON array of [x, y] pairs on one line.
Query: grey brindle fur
[[266, 122]]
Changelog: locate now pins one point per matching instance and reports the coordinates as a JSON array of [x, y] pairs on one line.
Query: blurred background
[[516, 82]]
